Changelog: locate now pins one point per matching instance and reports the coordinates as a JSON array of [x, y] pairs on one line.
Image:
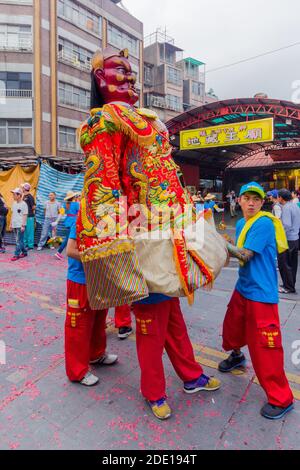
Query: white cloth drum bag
[[156, 257]]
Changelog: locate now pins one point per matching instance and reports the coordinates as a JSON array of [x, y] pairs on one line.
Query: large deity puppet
[[129, 163]]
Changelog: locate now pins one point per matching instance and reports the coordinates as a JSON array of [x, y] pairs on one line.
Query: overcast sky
[[220, 32]]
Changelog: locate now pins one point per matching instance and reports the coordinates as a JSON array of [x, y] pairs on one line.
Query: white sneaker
[[106, 360], [89, 380], [39, 248]]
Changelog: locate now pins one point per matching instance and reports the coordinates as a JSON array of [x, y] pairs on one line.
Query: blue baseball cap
[[253, 188], [273, 193]]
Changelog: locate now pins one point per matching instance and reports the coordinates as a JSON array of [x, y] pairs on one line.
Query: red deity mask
[[114, 77]]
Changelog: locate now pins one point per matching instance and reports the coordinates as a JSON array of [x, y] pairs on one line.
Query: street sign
[[238, 133]]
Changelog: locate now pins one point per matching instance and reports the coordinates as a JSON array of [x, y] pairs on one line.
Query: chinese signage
[[238, 133]]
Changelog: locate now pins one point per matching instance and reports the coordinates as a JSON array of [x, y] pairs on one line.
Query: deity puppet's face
[[114, 78]]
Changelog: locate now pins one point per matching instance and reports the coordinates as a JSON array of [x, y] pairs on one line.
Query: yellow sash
[[281, 241]]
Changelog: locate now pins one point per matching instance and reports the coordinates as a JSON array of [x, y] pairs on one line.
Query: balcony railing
[[5, 93], [21, 44], [74, 59]]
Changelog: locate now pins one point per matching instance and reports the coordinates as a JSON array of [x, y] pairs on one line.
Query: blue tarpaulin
[[52, 180]]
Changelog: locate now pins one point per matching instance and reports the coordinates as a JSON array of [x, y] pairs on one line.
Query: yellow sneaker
[[160, 408], [209, 384]]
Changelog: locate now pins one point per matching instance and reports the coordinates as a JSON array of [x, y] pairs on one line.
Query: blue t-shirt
[[209, 205], [71, 213], [258, 278], [75, 267]]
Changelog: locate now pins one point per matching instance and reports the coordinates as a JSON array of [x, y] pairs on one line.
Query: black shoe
[[275, 412], [124, 332], [232, 362]]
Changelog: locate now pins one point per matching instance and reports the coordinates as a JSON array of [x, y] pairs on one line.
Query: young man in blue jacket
[[252, 317]]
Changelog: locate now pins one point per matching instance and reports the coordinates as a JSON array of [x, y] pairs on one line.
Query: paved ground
[[40, 409]]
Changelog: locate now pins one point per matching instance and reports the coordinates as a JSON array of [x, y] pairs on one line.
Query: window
[[120, 39], [67, 138], [16, 80], [174, 76], [80, 16], [192, 70], [16, 132], [174, 102], [170, 57], [73, 54], [74, 96], [148, 74], [3, 126], [198, 88], [15, 37]]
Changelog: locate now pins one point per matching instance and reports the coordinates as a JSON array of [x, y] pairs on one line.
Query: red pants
[[157, 327], [85, 336], [122, 316], [257, 325]]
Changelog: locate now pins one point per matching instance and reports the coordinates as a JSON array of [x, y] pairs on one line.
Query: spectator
[[295, 198], [288, 261], [18, 223], [276, 208], [71, 208], [233, 204], [3, 214], [231, 198], [210, 203], [29, 231], [51, 212]]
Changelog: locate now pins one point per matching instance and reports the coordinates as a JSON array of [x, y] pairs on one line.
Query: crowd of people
[[286, 207], [207, 200], [22, 221]]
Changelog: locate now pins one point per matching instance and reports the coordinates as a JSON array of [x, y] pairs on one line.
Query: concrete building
[[46, 47], [172, 84]]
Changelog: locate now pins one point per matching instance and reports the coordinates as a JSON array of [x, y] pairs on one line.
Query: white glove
[[54, 224]]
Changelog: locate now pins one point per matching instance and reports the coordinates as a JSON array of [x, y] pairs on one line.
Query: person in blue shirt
[[210, 203], [252, 317], [71, 208], [85, 329]]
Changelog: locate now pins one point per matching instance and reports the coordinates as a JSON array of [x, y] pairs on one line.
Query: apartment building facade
[[172, 84], [46, 47]]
